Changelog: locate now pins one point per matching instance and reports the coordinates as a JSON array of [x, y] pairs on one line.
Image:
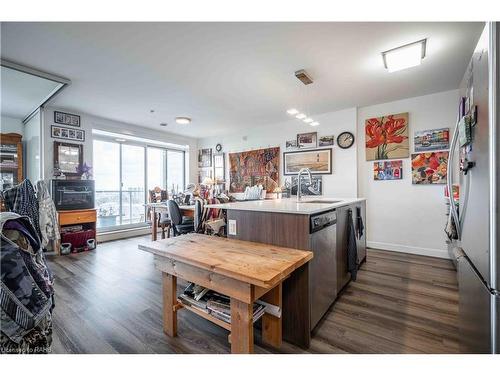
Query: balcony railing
[[113, 211]]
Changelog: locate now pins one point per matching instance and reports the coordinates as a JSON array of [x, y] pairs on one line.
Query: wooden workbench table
[[244, 271]]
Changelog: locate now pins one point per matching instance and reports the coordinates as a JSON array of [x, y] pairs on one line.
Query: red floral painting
[[429, 167], [387, 137]]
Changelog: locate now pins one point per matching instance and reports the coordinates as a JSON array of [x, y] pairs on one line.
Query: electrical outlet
[[232, 227]]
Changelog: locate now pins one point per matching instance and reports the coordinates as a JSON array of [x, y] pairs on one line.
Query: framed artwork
[[66, 119], [430, 140], [291, 144], [68, 157], [205, 158], [319, 161], [219, 167], [429, 168], [387, 137], [256, 167], [66, 133], [204, 173], [388, 170], [316, 188], [327, 140], [307, 140]]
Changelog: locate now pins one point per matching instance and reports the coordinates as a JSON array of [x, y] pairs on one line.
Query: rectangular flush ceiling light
[[405, 56]]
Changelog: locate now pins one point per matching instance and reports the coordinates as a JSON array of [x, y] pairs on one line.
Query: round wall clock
[[218, 147], [345, 140]]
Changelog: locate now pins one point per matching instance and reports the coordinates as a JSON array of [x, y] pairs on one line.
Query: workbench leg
[[154, 225], [169, 300], [271, 325], [241, 327]]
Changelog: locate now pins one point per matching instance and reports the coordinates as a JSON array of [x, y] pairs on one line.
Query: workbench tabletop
[[256, 263]]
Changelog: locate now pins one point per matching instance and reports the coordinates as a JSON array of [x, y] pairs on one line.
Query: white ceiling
[[21, 93], [231, 76]]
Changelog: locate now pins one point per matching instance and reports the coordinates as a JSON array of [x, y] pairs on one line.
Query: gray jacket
[[26, 293]]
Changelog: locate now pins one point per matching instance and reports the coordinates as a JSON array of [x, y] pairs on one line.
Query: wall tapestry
[[430, 140], [256, 167], [388, 170], [316, 188], [387, 137], [429, 167], [318, 161]]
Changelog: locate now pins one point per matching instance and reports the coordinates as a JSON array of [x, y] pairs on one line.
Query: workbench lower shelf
[[205, 315]]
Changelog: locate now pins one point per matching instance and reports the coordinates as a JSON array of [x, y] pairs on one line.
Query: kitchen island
[[316, 224]]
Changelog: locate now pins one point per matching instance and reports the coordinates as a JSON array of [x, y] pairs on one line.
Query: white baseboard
[[437, 253], [121, 234]]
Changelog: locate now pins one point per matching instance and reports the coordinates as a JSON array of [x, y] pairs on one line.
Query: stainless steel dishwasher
[[322, 272]]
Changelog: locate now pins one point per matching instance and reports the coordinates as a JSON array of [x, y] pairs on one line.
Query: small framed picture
[[291, 144], [326, 140], [65, 133], [66, 119], [205, 158], [307, 140]]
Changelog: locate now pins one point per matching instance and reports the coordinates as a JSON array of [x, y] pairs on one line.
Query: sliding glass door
[[157, 168], [107, 183], [123, 175], [133, 191]]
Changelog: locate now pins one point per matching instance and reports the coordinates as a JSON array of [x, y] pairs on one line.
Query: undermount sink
[[325, 201]]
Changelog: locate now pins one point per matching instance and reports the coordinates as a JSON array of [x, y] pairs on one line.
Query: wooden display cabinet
[[11, 159]]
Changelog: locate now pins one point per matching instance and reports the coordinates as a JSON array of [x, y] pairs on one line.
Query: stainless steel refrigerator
[[475, 166]]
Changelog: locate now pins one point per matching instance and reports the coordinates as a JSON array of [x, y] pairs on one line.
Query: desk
[[162, 207], [244, 271]]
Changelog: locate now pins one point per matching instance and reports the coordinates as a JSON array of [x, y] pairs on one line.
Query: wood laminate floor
[[109, 301]]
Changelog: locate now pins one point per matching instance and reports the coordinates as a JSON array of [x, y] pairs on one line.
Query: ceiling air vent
[[303, 77]]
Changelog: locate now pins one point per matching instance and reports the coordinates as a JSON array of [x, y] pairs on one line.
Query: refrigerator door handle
[[449, 180]]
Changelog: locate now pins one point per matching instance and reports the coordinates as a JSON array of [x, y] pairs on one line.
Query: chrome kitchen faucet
[[303, 170]]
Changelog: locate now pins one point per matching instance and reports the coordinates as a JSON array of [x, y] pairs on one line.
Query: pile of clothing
[[27, 285], [37, 205], [27, 288]]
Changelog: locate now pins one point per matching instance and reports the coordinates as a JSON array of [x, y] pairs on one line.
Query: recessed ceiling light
[[308, 120], [405, 56], [120, 140], [292, 111], [183, 120], [314, 123], [301, 116], [163, 124]]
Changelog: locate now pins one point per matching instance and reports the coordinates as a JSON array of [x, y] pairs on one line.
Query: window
[[157, 171], [124, 172], [175, 170]]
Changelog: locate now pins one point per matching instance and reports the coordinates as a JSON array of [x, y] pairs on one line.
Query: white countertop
[[289, 205]]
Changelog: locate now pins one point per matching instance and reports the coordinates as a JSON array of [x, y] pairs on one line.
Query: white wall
[[89, 122], [32, 147], [11, 125], [342, 183], [402, 216]]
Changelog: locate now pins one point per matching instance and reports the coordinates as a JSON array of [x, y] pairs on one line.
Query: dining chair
[[180, 224], [158, 195]]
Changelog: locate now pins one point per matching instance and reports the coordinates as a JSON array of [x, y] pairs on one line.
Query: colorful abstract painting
[[430, 140], [256, 167], [387, 137], [388, 170], [429, 167]]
